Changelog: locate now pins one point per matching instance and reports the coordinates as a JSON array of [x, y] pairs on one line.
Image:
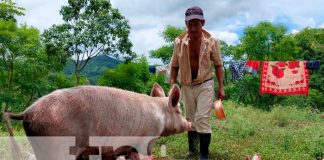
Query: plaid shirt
[[209, 54]]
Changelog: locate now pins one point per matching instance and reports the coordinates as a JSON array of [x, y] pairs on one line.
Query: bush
[[246, 91], [133, 76]]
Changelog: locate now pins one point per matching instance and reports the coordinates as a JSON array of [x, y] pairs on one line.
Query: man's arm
[[219, 76], [174, 75]]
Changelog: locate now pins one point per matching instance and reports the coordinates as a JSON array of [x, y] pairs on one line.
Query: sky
[[225, 19]]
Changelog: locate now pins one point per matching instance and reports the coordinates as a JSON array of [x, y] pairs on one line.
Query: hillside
[[94, 68]]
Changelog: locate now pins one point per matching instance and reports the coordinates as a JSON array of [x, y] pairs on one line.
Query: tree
[[24, 64], [226, 51], [169, 35], [266, 41], [311, 43], [90, 28], [9, 9], [133, 76]]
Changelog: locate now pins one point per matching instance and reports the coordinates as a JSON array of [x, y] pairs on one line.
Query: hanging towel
[[252, 66], [284, 78], [313, 65], [237, 69]]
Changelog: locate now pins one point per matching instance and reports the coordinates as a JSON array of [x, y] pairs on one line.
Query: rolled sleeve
[[175, 59], [216, 53]]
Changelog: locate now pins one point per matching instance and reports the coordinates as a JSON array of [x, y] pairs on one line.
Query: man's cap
[[194, 13]]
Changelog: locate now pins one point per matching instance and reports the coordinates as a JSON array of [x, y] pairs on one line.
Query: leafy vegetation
[[169, 35], [284, 132], [95, 68]]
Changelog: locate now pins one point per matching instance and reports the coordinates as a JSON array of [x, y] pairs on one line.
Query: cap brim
[[200, 17]]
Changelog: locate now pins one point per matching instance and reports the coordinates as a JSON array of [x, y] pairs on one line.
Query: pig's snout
[[187, 125]]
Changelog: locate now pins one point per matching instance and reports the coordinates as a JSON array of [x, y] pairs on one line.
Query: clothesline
[[277, 77]]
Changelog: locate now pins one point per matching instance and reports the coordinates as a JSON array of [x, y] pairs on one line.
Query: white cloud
[[146, 40], [309, 22], [321, 25], [41, 14], [229, 37], [294, 31], [225, 18]]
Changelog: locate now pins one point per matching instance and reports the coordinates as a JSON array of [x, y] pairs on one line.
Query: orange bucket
[[219, 111]]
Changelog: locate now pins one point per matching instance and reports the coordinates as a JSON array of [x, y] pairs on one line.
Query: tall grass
[[284, 133]]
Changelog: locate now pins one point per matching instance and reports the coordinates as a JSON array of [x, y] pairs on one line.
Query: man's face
[[194, 27]]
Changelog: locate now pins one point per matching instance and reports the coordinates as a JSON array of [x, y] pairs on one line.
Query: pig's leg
[[150, 146]]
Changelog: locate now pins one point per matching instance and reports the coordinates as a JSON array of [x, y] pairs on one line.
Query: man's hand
[[219, 75], [221, 93]]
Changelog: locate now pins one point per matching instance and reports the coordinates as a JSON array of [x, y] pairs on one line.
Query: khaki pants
[[198, 101]]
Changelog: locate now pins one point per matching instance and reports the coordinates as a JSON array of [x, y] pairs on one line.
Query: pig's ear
[[174, 95], [157, 91]]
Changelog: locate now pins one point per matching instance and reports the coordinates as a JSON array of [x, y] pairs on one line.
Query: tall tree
[[227, 51], [90, 28], [9, 9], [169, 35], [24, 65], [267, 41], [311, 43]]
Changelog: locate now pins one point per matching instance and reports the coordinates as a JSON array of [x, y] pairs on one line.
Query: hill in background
[[94, 68]]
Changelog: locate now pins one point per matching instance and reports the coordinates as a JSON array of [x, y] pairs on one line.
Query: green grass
[[284, 133]]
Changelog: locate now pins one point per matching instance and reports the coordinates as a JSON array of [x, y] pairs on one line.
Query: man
[[194, 53]]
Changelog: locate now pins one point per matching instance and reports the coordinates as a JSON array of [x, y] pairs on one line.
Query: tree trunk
[[77, 75], [10, 76]]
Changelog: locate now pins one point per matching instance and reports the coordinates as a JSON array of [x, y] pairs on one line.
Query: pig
[[86, 111]]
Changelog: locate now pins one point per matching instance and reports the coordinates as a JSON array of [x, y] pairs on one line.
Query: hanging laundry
[[284, 78], [237, 69], [313, 65], [152, 69], [161, 69], [252, 66]]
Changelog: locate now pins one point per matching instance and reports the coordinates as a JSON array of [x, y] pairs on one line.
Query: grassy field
[[284, 133]]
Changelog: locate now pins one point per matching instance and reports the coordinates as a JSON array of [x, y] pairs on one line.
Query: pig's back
[[95, 111]]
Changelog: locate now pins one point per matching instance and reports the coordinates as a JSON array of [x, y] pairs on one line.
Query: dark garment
[[313, 65], [152, 69], [237, 68]]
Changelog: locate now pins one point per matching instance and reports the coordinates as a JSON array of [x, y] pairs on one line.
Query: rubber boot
[[193, 143], [204, 145]]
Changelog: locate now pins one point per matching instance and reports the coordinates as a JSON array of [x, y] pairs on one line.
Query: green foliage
[[169, 34], [311, 42], [246, 91], [284, 132], [95, 68], [90, 28], [132, 76], [164, 52], [24, 64], [9, 9], [266, 41]]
